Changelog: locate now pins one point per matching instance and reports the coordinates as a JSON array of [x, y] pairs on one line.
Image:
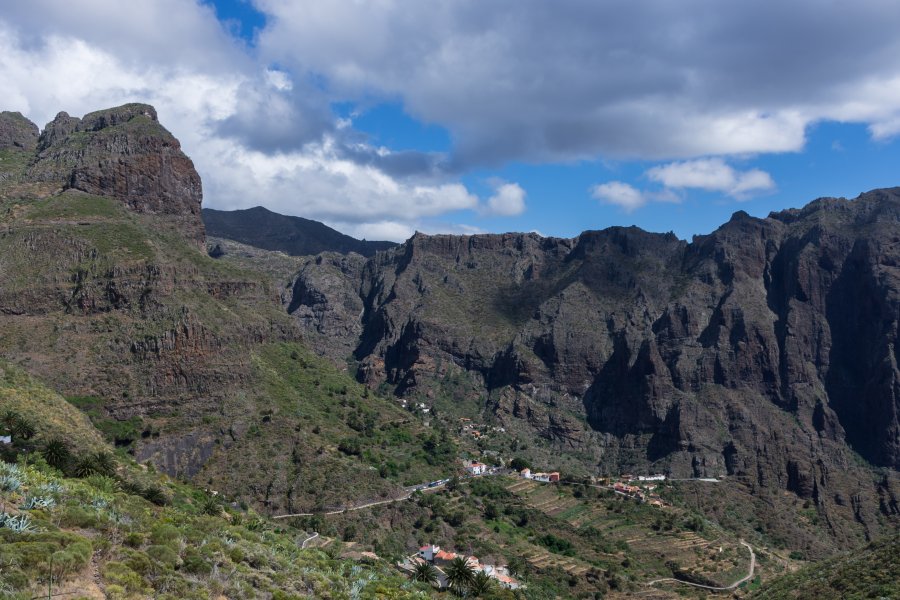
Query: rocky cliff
[[765, 351], [122, 153]]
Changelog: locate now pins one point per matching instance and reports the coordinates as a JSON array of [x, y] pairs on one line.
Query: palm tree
[[459, 574], [426, 573], [85, 467], [481, 583], [105, 463], [23, 429], [56, 453], [9, 420]]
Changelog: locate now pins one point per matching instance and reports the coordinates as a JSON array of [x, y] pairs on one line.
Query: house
[[651, 477], [525, 473], [476, 468], [428, 552], [442, 557], [546, 477], [5, 439]]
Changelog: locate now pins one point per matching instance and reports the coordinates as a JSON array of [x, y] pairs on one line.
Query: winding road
[[748, 577]]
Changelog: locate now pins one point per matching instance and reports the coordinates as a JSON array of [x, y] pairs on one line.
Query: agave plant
[[34, 502], [18, 524], [51, 488], [9, 469], [10, 483]]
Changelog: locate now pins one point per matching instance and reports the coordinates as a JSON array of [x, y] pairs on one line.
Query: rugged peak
[[17, 132], [123, 153], [111, 117], [58, 129]]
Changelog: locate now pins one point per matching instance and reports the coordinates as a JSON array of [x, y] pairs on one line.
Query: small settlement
[[434, 555], [643, 492]]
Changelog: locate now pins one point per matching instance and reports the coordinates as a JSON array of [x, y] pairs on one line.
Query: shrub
[[56, 453]]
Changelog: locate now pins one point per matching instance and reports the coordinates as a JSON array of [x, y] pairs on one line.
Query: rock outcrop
[[17, 132], [765, 351], [123, 153]]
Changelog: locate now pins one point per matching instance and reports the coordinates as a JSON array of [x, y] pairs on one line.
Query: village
[[445, 561]]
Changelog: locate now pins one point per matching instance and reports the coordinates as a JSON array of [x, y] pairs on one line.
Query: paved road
[[433, 485], [309, 539], [748, 577]]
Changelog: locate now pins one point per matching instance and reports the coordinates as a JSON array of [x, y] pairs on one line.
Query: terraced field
[[653, 539]]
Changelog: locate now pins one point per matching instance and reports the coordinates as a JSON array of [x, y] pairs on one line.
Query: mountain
[[295, 236], [104, 527], [761, 355], [107, 295], [762, 352]]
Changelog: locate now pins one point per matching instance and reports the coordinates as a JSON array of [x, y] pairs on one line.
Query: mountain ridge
[[295, 236]]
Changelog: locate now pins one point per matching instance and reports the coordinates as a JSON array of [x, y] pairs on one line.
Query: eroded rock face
[[17, 132], [126, 154], [765, 351]]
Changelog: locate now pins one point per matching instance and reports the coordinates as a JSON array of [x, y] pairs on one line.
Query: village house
[[433, 554], [651, 477], [427, 552], [476, 468]]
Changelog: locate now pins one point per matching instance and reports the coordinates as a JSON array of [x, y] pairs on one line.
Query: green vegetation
[[76, 520], [871, 572]]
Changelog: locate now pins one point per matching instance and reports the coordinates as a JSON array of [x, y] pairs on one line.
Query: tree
[[425, 573], [23, 429], [459, 574], [9, 419], [56, 453], [85, 467], [481, 584], [105, 463], [519, 463]]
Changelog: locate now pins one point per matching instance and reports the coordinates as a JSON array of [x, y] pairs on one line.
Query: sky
[[385, 117]]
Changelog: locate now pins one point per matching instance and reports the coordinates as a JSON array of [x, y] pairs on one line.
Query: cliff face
[[765, 351], [122, 153], [105, 291]]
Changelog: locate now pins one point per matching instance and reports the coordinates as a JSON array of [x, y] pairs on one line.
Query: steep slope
[[295, 236], [92, 528], [870, 572], [191, 363], [763, 352]]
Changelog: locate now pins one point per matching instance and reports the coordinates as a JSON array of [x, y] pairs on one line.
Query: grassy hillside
[[871, 572], [118, 531]]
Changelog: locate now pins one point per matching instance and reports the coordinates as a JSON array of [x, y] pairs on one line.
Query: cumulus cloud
[[650, 79], [257, 134], [712, 175], [508, 200], [620, 194]]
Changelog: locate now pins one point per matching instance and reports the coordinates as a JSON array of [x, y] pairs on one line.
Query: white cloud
[[254, 133], [508, 200], [712, 175], [620, 194], [649, 79]]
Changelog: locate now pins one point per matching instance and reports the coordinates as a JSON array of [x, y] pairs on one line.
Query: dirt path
[[748, 577]]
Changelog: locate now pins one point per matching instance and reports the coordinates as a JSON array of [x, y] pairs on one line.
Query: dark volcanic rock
[[764, 351], [17, 132], [295, 236], [123, 153]]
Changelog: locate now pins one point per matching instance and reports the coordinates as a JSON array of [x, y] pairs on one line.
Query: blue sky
[[381, 118]]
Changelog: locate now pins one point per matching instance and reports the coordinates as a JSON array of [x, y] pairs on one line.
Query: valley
[[300, 406]]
